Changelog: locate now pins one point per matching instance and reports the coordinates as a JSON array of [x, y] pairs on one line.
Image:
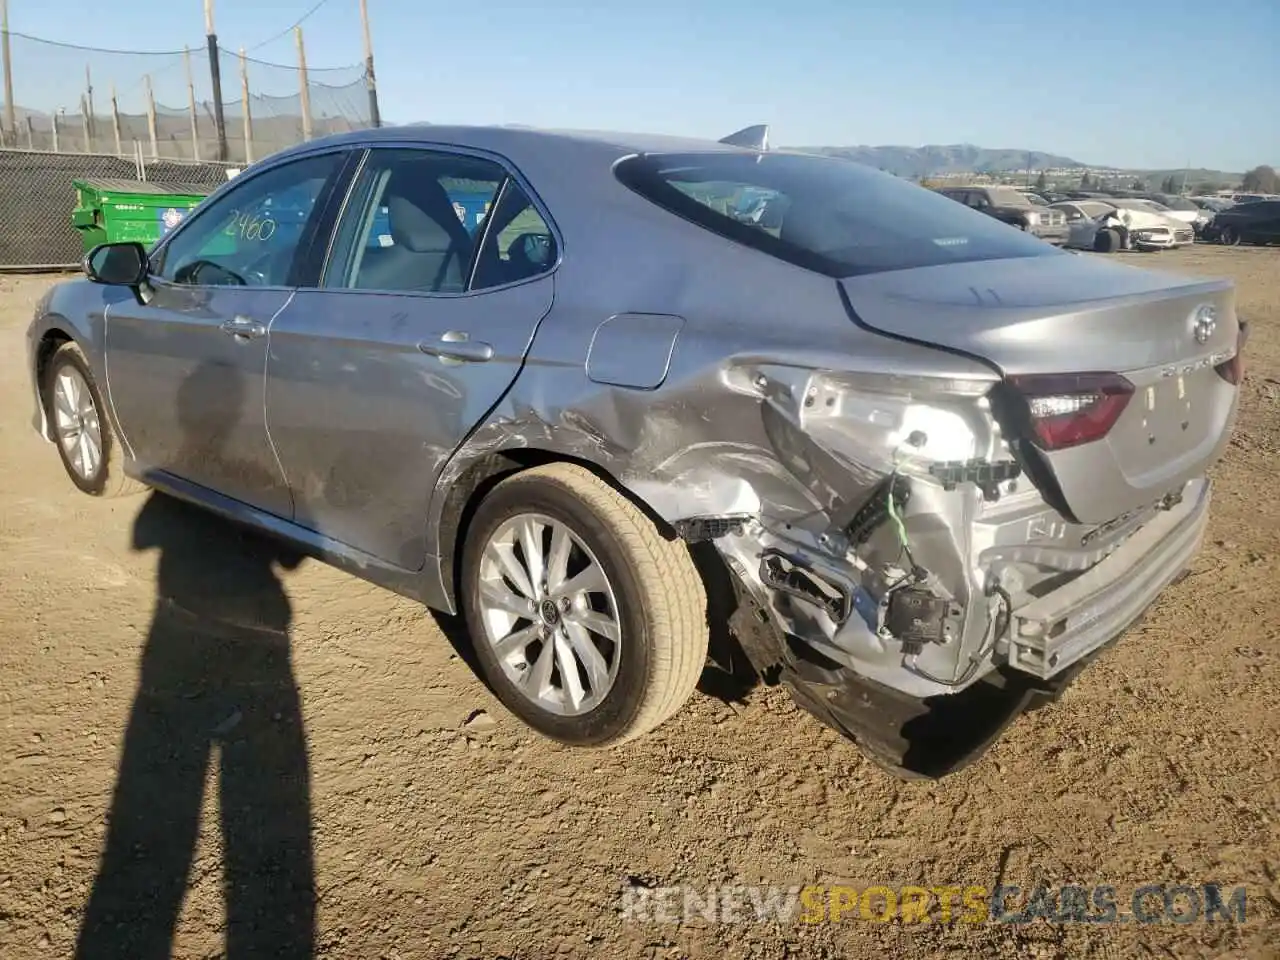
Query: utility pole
[[215, 77], [248, 115], [191, 105], [115, 120], [91, 119], [304, 85], [151, 117], [370, 81], [10, 116]]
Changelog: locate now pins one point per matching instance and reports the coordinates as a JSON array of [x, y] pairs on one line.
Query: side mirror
[[117, 264]]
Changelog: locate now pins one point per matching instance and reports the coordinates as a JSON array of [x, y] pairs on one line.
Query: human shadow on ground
[[216, 687]]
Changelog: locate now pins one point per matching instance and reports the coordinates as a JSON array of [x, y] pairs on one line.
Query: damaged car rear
[[673, 395], [988, 456]]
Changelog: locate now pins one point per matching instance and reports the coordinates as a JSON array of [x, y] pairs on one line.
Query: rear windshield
[[830, 215]]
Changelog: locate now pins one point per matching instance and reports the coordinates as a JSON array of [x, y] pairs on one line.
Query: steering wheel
[[194, 273], [259, 269]]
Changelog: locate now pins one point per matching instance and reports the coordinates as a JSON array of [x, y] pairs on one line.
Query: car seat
[[431, 248]]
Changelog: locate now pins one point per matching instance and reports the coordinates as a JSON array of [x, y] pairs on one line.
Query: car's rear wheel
[[588, 623], [1229, 236], [90, 452]]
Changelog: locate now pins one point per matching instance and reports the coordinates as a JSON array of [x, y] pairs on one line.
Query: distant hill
[[935, 160], [957, 158]]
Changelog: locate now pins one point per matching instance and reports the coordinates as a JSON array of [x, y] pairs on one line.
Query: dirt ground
[[436, 839]]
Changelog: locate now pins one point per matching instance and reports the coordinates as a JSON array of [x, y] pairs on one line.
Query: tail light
[[1066, 410], [1232, 370]]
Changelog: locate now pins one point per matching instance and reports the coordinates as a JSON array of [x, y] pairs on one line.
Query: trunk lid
[[1043, 322]]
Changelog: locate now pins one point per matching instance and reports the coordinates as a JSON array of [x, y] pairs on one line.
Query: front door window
[[251, 235]]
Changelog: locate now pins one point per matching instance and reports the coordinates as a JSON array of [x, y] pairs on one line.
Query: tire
[[652, 596], [1106, 241], [83, 425], [1229, 237]]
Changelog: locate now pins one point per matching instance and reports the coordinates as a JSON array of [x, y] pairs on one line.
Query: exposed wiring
[[898, 524], [993, 635]]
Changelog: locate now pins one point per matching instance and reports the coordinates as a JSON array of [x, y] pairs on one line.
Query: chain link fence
[[37, 196], [82, 112]]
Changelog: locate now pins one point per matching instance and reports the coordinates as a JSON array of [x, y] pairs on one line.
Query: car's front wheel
[[1107, 241], [89, 450], [588, 623]]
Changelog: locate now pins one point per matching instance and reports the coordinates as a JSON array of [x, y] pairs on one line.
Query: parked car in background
[[1181, 208], [1257, 222], [1212, 204], [1184, 231], [1008, 205], [896, 447], [1107, 227]]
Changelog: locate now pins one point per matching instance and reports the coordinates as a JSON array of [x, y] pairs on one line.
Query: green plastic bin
[[113, 211]]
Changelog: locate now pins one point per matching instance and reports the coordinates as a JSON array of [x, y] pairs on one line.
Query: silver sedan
[[619, 399]]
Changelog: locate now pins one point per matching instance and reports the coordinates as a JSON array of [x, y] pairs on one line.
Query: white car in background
[[1120, 223], [1179, 208]]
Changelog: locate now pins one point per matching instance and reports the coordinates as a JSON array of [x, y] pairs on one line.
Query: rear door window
[[518, 244], [825, 214], [413, 222]]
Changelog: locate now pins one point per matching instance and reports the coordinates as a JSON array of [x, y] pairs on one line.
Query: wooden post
[[91, 131], [244, 102], [370, 81], [191, 105], [84, 115], [31, 134], [215, 79], [304, 87], [151, 118], [10, 115], [115, 120], [54, 118]]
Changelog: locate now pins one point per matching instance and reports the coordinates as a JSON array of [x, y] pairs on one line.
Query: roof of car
[[514, 139]]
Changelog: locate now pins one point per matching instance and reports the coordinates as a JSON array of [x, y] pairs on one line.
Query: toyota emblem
[[1206, 321]]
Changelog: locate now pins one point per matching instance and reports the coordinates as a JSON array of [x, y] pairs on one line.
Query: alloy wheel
[[550, 614], [77, 423]]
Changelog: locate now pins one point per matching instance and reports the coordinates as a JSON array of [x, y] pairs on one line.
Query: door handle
[[243, 328], [456, 346]]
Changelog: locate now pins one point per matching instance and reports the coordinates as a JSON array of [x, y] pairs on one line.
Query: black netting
[[65, 128], [63, 102]]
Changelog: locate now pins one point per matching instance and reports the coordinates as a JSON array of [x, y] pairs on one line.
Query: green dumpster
[[111, 211]]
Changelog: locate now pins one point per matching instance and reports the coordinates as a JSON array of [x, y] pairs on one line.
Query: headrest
[[421, 217]]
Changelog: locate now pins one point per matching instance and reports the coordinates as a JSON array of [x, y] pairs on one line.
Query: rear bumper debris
[[1049, 641], [1053, 632]]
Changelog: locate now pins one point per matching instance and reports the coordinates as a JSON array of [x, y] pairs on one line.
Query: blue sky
[[1137, 83]]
